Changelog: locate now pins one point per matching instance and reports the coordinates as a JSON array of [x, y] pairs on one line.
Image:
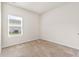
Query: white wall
[[30, 25], [61, 25]]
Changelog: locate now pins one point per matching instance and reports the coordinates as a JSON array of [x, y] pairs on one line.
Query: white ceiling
[[38, 7]]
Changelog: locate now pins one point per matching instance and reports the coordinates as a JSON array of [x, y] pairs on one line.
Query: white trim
[[0, 28]]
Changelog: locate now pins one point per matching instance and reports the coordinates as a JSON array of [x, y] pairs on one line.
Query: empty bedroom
[[39, 29]]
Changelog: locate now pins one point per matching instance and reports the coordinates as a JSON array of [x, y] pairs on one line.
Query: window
[[14, 25]]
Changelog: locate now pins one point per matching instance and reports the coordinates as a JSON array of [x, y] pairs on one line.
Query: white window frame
[[17, 18]]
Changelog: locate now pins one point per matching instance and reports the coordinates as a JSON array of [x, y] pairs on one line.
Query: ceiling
[[38, 7]]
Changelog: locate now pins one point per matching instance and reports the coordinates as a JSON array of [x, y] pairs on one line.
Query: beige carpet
[[39, 48]]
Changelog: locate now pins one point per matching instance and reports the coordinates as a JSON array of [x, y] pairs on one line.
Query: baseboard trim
[[61, 44]]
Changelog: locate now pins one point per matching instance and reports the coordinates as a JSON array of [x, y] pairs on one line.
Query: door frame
[[0, 27]]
